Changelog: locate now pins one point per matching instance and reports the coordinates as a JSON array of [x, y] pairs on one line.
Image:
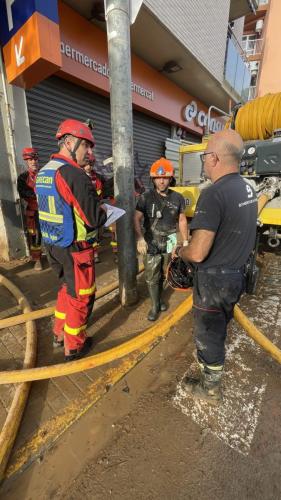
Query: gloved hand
[[142, 246]]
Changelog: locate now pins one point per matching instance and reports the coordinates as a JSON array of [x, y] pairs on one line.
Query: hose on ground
[[149, 336], [13, 420], [48, 311], [152, 334], [256, 335]]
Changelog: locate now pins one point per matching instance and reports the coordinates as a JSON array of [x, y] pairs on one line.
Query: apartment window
[[251, 44]]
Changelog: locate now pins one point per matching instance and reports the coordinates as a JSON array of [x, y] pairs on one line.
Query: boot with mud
[[153, 291], [75, 354], [162, 305], [207, 388]]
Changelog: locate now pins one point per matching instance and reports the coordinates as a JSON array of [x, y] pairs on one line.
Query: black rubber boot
[[153, 291], [162, 305], [207, 388], [74, 354]]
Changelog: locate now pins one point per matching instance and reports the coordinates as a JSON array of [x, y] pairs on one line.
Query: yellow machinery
[[259, 124]]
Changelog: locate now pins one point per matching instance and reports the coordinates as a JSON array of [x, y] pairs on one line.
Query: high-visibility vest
[[55, 215]]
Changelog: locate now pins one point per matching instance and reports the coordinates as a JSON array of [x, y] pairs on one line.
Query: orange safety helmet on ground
[[77, 129], [30, 154], [162, 168]]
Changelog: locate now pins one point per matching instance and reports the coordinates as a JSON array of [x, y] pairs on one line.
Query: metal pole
[[119, 54]]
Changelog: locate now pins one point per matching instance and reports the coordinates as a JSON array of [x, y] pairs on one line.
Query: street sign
[[15, 13], [32, 49]]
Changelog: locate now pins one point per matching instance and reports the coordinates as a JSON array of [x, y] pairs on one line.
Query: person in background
[[160, 209], [223, 236], [26, 188], [98, 186]]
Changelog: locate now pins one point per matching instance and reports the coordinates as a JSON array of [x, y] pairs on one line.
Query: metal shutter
[[55, 99]]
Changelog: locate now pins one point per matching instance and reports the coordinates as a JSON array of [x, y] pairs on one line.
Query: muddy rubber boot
[[153, 291], [75, 354], [162, 305], [207, 388]]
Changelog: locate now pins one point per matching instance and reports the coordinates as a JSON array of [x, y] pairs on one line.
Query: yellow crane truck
[[259, 124]]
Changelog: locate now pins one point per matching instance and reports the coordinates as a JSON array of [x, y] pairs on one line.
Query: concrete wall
[[270, 71], [201, 26]]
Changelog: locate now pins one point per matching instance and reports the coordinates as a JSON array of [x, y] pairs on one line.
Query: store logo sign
[[101, 68], [192, 113]]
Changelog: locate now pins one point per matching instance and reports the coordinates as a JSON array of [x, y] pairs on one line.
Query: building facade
[[261, 42], [182, 55]]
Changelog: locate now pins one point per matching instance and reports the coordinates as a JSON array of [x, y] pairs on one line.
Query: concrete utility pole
[[118, 36]]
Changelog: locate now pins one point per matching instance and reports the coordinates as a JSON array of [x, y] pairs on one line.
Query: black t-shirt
[[170, 207], [229, 208]]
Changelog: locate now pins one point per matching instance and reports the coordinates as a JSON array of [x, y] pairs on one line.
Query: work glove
[[142, 246]]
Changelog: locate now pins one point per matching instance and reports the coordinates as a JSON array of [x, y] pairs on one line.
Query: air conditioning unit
[[259, 26]]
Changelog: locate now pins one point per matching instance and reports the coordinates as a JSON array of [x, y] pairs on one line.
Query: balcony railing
[[252, 93], [252, 47], [236, 68]]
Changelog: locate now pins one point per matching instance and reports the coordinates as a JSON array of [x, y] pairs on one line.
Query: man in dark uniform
[[160, 209], [223, 236], [26, 188], [70, 212]]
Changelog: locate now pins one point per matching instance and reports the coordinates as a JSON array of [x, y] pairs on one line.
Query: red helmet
[[77, 129], [30, 154], [162, 168]]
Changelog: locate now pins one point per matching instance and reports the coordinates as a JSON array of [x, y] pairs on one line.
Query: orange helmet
[[77, 129], [162, 168]]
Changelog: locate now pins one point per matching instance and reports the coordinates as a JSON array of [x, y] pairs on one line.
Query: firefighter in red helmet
[[26, 189], [69, 213], [160, 210]]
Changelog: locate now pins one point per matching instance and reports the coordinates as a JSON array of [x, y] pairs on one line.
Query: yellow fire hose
[[148, 337], [145, 338], [13, 420]]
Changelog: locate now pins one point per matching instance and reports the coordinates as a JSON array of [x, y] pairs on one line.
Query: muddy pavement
[[148, 440], [172, 448]]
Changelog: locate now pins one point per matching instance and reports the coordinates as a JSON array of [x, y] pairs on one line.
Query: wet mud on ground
[[146, 439]]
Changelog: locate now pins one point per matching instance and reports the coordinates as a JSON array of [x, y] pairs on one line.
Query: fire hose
[[28, 373]]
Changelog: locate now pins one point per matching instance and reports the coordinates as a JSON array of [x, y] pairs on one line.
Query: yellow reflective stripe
[[52, 205], [87, 291], [59, 315], [98, 191], [113, 243], [50, 217], [74, 331], [80, 227], [31, 231], [215, 368]]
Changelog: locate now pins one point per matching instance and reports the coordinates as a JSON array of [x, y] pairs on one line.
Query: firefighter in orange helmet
[[160, 210], [26, 189]]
